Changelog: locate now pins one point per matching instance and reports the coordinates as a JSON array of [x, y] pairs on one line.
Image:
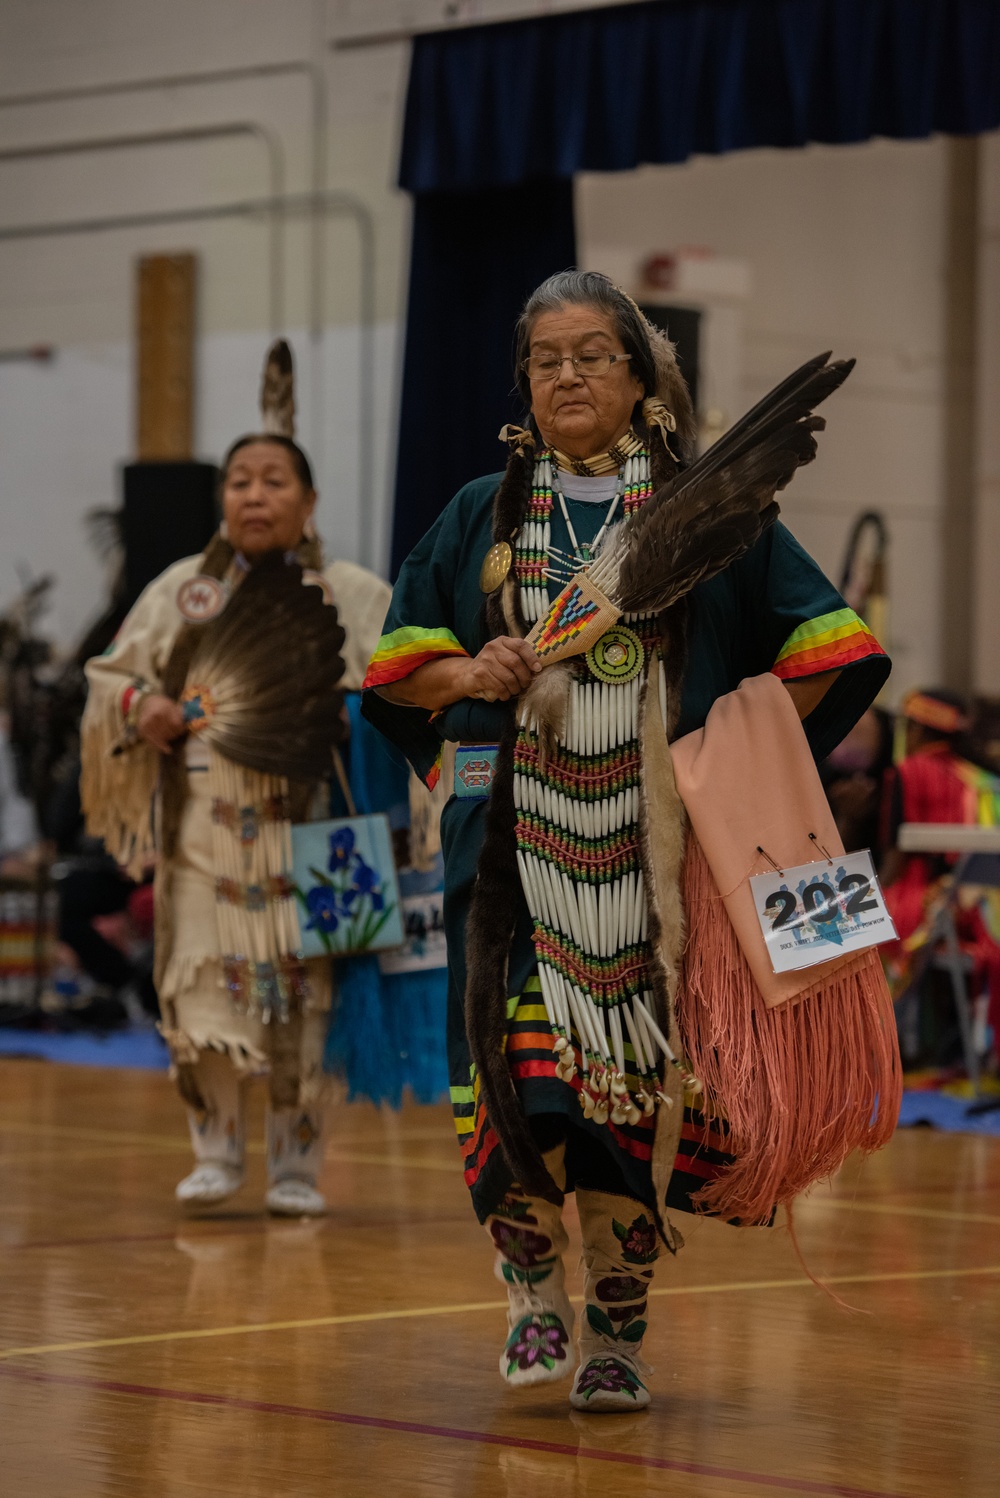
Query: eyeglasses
[[539, 367]]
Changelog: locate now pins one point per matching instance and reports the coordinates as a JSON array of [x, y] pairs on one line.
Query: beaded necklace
[[532, 560], [565, 565]]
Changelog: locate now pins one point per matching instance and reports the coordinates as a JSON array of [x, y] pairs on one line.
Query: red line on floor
[[446, 1433]]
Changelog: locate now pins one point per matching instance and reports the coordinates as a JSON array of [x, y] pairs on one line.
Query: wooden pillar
[[165, 318], [958, 570]]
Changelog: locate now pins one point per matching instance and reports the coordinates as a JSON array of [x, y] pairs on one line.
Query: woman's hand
[[160, 722], [503, 669]]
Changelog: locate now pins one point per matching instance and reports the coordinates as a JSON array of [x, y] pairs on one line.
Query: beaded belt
[[475, 767]]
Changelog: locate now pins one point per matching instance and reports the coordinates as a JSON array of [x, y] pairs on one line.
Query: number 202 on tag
[[817, 911]]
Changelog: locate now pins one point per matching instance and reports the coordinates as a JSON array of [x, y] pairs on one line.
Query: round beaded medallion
[[201, 598], [617, 657]]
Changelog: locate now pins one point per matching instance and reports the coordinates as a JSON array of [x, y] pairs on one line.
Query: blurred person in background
[[236, 999], [20, 848], [935, 783], [104, 974], [22, 860], [853, 777], [99, 972]]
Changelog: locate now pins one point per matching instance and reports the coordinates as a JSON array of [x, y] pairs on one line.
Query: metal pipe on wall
[[325, 204], [310, 71], [183, 135], [315, 76]]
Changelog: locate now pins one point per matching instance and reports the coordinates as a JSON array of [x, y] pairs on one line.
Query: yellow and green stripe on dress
[[828, 642], [404, 650], [400, 653]]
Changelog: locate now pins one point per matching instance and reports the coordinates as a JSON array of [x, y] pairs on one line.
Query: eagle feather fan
[[707, 516], [262, 686]]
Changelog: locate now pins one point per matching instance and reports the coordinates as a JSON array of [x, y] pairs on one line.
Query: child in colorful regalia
[[559, 1010], [934, 782]]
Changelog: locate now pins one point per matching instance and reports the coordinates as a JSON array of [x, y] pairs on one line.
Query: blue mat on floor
[[940, 1110], [142, 1048]]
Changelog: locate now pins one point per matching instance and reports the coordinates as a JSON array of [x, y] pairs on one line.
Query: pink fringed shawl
[[804, 1066]]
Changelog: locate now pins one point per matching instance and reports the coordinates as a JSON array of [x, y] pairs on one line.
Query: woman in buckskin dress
[[153, 789]]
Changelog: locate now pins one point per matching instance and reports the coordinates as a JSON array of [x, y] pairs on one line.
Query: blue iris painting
[[346, 903]]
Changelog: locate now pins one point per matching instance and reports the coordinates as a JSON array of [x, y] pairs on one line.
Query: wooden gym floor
[[146, 1355]]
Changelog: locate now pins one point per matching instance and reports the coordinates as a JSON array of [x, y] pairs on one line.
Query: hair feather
[[277, 391]]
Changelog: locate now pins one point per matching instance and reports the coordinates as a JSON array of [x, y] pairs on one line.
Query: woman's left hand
[[160, 722]]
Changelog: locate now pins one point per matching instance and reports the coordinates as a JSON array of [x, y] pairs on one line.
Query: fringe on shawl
[[117, 791], [800, 1085]]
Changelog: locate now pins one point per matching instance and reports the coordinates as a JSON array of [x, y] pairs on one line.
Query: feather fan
[[262, 686], [706, 517], [277, 391]]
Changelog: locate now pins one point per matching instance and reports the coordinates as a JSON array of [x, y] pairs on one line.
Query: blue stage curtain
[[475, 257], [606, 90], [500, 117]]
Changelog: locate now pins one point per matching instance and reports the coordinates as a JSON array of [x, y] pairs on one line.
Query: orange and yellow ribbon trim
[[827, 643], [402, 651]]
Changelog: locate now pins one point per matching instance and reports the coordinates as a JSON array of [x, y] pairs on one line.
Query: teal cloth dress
[[773, 610]]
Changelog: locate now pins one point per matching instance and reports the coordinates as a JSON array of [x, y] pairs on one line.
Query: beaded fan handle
[[576, 620]]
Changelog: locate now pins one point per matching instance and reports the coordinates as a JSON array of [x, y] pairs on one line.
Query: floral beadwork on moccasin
[[536, 1339]]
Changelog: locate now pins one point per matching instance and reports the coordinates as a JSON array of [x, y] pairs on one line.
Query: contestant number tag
[[817, 911]]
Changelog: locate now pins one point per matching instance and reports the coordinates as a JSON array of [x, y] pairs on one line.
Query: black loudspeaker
[[170, 512]]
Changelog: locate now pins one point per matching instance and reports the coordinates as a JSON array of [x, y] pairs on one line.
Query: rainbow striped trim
[[826, 643], [434, 773], [405, 649]]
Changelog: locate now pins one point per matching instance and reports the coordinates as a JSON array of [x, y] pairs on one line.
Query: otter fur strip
[[489, 932], [545, 708]]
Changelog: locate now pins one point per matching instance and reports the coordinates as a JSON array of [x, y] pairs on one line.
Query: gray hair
[[574, 288]]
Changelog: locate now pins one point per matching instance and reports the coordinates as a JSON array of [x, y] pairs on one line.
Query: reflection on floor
[[146, 1355]]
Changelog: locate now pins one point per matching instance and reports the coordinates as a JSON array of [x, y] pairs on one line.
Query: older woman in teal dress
[[610, 422]]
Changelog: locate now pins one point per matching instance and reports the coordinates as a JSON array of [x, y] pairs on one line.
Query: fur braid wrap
[[490, 930]]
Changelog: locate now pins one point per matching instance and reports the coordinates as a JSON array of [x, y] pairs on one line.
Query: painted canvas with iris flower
[[345, 885]]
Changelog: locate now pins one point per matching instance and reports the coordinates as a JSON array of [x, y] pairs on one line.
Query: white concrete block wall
[[845, 247], [65, 427]]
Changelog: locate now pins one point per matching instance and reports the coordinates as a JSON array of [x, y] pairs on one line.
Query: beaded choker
[[603, 463], [532, 561]]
